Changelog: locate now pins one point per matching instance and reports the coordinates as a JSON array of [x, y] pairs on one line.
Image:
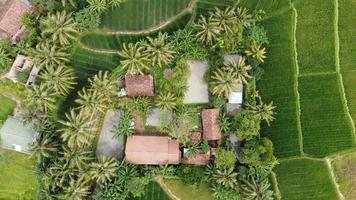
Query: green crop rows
[[139, 14], [305, 179], [315, 36], [326, 127]]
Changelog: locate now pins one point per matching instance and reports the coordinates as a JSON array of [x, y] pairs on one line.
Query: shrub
[[246, 125], [125, 126], [85, 20], [29, 20], [191, 174], [225, 159]]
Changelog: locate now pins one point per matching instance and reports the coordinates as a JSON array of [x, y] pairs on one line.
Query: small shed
[[235, 99], [211, 128], [16, 135], [139, 85], [152, 150]]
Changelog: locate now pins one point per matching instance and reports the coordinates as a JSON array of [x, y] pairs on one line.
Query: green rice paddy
[[6, 108], [154, 192]]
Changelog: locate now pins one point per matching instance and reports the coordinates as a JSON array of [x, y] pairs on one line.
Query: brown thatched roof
[[211, 129], [200, 158], [10, 17], [152, 150], [139, 85]]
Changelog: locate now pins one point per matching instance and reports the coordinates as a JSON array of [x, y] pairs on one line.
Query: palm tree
[[224, 18], [77, 189], [256, 52], [104, 84], [133, 58], [244, 17], [90, 101], [104, 169], [264, 111], [40, 98], [223, 82], [98, 6], [61, 79], [227, 177], [256, 190], [207, 30], [60, 27], [240, 69], [116, 3], [47, 54], [60, 174], [76, 159], [166, 101], [44, 148], [76, 129], [158, 50], [71, 2]]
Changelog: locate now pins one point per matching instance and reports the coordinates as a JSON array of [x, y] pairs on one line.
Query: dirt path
[[337, 186], [159, 180]]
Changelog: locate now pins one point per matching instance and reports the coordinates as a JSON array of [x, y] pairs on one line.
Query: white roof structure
[[236, 97]]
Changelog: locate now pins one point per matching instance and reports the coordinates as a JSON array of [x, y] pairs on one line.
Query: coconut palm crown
[[133, 58]]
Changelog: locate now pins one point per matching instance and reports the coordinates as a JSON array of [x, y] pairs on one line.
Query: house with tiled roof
[[211, 128], [11, 12], [152, 150], [139, 85]]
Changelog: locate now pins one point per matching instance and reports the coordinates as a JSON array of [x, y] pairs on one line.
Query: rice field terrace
[[310, 74]]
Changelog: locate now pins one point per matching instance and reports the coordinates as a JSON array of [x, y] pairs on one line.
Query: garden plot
[[141, 14], [347, 30], [197, 86], [326, 126], [108, 145], [278, 84], [315, 35], [305, 179]]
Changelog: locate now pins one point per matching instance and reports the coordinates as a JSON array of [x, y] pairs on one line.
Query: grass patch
[[315, 35], [349, 80], [204, 6], [305, 179], [326, 127], [278, 85], [154, 192], [6, 108], [347, 30], [17, 177], [345, 172], [139, 14], [188, 192]]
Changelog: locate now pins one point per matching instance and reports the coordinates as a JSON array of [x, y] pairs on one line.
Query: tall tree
[[133, 58], [254, 189], [40, 98], [104, 169], [76, 129], [223, 81], [264, 111], [158, 50], [47, 54], [60, 27], [166, 101], [105, 85], [44, 148], [77, 189], [224, 18], [256, 52], [90, 101], [207, 30], [226, 177], [240, 68], [60, 78], [98, 6]]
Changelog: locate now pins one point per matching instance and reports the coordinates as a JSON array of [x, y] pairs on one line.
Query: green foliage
[[205, 146], [191, 174], [224, 193], [85, 20], [143, 105], [255, 189], [224, 124], [258, 154], [246, 125], [29, 20], [225, 159], [104, 169], [137, 186], [125, 126], [166, 101]]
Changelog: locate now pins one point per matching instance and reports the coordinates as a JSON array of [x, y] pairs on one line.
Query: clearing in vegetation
[[315, 35], [17, 176], [305, 179], [6, 108], [154, 192], [345, 171], [326, 127], [188, 192]]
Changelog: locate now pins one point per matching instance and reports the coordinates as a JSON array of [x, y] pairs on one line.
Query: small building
[[23, 64], [11, 12], [16, 135], [152, 150], [211, 128], [139, 85], [235, 99], [200, 158]]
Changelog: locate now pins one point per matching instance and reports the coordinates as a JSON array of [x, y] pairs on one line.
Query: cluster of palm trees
[[100, 6], [141, 57]]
